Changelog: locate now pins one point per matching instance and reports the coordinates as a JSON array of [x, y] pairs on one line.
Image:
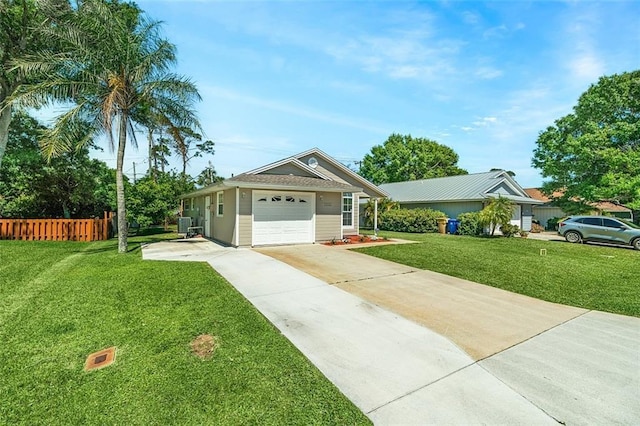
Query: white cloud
[[298, 110], [488, 73]]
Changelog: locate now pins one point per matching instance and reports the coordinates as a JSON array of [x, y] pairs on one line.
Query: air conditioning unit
[[183, 224]]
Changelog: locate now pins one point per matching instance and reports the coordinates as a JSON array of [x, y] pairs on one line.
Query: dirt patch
[[204, 346], [100, 359]]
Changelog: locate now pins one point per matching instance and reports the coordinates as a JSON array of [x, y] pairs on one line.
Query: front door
[[207, 216]]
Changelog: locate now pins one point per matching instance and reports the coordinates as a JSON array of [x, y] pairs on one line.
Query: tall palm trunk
[[152, 165], [122, 211], [5, 119]]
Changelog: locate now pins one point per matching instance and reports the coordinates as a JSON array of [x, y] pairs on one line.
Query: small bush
[[536, 228], [552, 223], [509, 230], [470, 224], [410, 220]]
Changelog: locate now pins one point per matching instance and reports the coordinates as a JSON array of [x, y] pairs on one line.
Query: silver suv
[[577, 229]]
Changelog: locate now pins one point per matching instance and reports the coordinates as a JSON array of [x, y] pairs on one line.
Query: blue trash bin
[[452, 226]]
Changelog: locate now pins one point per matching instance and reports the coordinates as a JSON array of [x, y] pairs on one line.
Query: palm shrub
[[509, 230], [411, 220], [470, 224], [384, 205], [497, 212]]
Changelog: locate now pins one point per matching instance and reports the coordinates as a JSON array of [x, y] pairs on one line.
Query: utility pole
[[134, 172]]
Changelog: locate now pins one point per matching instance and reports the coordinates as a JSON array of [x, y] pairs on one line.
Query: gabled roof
[[361, 181], [472, 187], [260, 178], [291, 161]]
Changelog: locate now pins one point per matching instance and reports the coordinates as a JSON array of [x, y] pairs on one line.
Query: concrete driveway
[[393, 341], [578, 366]]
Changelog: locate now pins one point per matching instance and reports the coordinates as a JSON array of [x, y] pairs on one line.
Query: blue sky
[[278, 78]]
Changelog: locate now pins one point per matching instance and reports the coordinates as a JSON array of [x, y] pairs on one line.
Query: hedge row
[[470, 224], [410, 220]]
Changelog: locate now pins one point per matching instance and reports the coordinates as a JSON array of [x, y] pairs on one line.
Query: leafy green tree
[[18, 38], [593, 154], [208, 176], [154, 202], [402, 158], [496, 213], [114, 63], [71, 185]]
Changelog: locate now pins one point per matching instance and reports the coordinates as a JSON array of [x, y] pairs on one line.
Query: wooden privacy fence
[[56, 229]]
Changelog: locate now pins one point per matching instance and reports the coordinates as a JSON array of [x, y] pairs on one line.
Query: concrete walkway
[[585, 370]]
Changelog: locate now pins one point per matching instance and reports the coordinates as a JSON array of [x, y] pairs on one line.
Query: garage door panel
[[282, 218]]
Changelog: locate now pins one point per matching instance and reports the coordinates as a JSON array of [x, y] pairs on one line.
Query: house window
[[347, 209], [220, 204]]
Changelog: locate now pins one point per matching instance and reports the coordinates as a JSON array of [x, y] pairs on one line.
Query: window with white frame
[[219, 203], [347, 209]]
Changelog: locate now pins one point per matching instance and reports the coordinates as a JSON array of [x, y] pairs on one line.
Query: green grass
[[586, 276], [60, 302]]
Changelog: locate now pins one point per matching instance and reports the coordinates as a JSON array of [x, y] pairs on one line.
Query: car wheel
[[573, 237], [636, 244]]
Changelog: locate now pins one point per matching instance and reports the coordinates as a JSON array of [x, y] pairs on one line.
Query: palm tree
[[497, 212], [115, 64]]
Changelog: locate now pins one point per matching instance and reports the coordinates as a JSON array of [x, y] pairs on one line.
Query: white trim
[[510, 185], [219, 204], [208, 218], [342, 211], [237, 225]]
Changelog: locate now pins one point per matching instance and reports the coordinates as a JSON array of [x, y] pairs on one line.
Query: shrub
[[509, 230], [470, 224], [552, 223], [536, 228], [410, 220]]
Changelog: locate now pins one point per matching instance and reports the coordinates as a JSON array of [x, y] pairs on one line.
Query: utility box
[[183, 225]]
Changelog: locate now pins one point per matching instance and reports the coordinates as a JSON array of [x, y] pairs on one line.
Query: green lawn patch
[[586, 276], [61, 301]]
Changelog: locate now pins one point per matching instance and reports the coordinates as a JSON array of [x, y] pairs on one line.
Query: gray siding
[[451, 210], [504, 189], [245, 222], [544, 213], [196, 213], [328, 216], [224, 226], [288, 169]]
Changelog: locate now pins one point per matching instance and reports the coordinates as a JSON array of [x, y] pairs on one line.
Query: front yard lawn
[[587, 276], [61, 301]]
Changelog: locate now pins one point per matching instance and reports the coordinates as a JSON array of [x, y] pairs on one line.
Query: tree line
[[73, 185]]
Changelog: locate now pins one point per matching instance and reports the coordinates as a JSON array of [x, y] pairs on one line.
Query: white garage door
[[283, 217]]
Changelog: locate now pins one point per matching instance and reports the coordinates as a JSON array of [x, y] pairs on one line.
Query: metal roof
[[472, 187]]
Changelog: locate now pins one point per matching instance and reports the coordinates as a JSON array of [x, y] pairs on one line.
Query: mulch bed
[[354, 239]]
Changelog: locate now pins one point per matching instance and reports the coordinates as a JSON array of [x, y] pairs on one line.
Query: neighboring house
[[306, 198], [454, 195], [542, 213]]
